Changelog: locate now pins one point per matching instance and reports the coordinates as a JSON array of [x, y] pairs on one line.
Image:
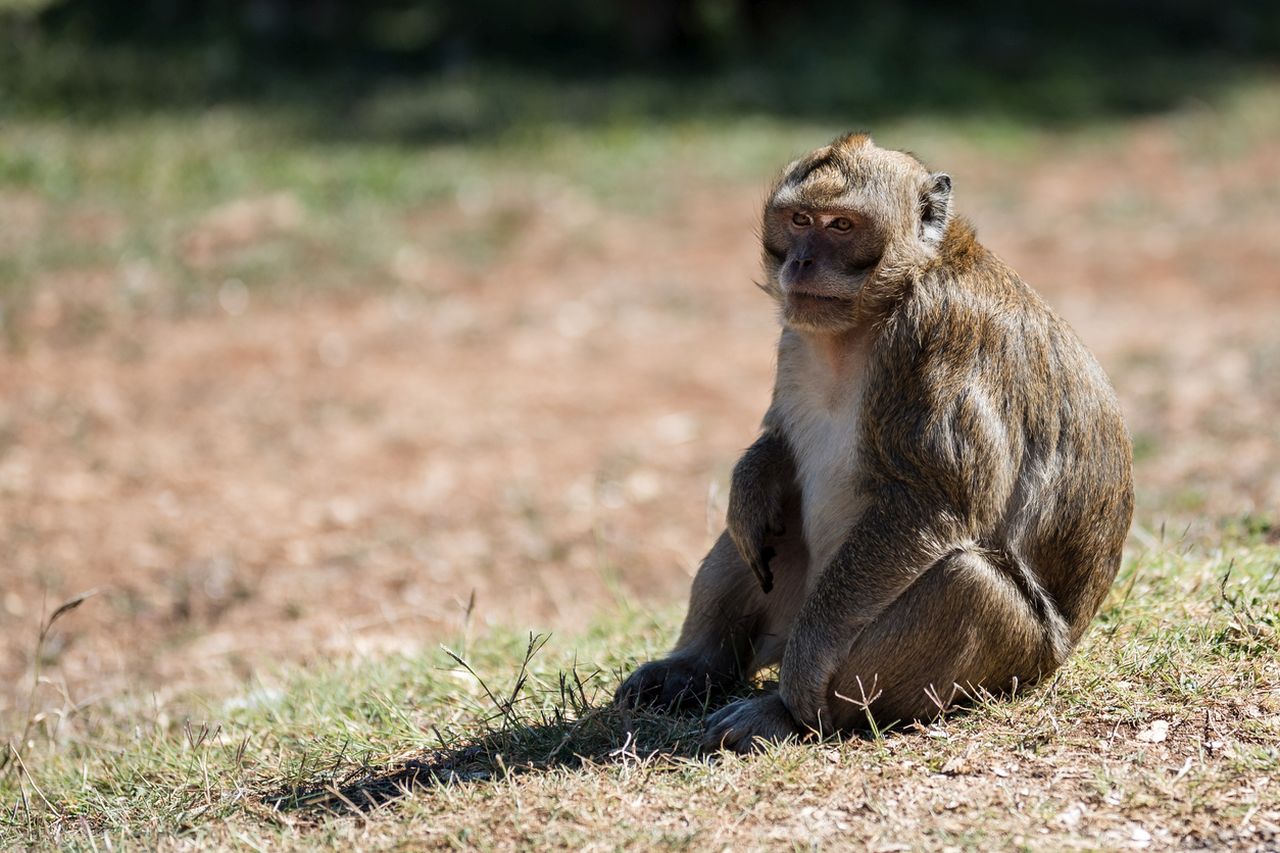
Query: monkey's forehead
[[840, 177], [826, 195], [841, 190], [820, 177]]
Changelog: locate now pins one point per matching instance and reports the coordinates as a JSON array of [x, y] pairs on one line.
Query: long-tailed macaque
[[938, 498]]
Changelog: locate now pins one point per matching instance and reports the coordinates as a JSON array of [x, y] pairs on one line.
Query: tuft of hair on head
[[852, 140]]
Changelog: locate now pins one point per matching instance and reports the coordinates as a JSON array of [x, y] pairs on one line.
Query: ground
[[297, 411]]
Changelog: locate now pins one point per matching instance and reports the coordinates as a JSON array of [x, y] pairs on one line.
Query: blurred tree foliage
[[1063, 60]]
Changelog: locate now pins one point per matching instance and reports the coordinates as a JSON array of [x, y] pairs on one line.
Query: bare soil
[[286, 478]]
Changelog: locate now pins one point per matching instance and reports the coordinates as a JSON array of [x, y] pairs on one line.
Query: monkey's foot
[[667, 684], [748, 724]]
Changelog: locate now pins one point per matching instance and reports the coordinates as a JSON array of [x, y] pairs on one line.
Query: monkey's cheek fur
[[748, 724]]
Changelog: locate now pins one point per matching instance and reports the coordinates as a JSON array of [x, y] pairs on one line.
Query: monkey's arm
[[761, 482], [882, 557]]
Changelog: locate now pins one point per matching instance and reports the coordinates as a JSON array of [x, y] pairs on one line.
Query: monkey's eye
[[841, 224], [801, 220]]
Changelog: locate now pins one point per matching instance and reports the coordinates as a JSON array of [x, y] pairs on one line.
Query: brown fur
[[941, 491]]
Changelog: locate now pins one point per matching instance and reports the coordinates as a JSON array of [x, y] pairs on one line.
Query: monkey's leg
[[964, 626], [732, 629]]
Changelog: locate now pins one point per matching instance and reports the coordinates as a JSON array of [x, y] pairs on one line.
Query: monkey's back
[[986, 405]]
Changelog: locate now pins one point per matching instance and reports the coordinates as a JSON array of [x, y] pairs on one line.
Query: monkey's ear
[[935, 208]]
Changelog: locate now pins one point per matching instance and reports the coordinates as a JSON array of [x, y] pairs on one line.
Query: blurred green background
[[507, 62], [149, 114]]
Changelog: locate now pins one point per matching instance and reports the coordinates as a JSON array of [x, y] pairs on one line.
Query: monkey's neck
[[841, 356]]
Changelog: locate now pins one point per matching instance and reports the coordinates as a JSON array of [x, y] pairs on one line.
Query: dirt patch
[[288, 480]]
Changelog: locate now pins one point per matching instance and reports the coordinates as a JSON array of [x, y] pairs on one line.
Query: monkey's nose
[[803, 263]]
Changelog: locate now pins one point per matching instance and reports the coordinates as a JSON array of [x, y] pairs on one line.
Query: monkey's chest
[[827, 469]]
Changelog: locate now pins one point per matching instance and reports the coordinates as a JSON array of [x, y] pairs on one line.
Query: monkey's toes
[[665, 684], [746, 725]]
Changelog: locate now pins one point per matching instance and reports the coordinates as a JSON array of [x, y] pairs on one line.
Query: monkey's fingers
[[760, 566]]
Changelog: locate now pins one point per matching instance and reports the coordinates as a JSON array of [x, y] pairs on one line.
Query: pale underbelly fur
[[820, 399], [826, 441]]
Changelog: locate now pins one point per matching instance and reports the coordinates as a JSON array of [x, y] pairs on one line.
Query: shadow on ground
[[572, 739], [601, 736]]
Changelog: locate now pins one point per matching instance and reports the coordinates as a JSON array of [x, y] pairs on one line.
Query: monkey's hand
[[667, 684], [748, 724], [760, 483]]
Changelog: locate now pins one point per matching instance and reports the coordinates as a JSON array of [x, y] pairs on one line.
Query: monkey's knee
[[962, 629]]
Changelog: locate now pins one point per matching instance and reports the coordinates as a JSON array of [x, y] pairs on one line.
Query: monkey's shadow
[[505, 747], [508, 746]]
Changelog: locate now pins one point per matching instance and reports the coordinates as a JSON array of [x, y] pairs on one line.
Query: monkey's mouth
[[806, 297]]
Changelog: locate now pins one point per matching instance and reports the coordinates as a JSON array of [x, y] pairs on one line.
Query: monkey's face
[[821, 259], [838, 219]]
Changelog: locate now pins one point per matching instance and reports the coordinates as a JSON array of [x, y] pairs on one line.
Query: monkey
[[938, 499]]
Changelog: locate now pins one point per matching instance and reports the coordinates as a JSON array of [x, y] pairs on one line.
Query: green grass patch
[[510, 742]]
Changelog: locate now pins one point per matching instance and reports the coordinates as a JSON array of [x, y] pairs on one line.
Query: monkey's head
[[846, 217]]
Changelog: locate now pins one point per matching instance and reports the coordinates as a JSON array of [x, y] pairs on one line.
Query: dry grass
[[1163, 731], [301, 410]]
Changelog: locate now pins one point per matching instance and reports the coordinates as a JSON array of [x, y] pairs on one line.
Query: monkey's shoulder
[[980, 317]]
